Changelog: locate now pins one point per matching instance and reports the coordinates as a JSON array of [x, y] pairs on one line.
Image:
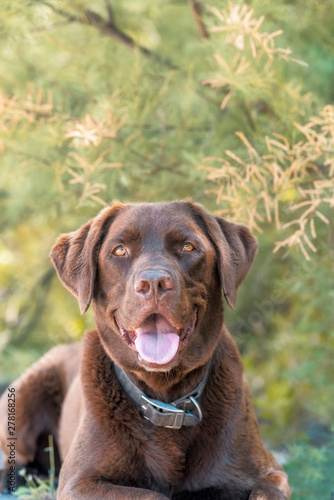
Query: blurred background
[[230, 103]]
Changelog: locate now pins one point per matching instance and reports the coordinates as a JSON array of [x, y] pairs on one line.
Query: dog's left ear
[[75, 255], [235, 248]]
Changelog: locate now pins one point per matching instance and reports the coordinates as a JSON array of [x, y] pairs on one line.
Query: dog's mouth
[[156, 340]]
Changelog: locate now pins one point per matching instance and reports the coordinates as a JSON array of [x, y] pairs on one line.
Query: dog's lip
[[184, 333]]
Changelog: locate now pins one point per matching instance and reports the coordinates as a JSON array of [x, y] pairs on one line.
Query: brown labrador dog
[[154, 405]]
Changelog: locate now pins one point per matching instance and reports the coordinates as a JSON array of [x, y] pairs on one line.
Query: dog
[[153, 404]]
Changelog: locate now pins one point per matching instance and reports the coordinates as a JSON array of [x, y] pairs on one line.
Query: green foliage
[[125, 100], [311, 471], [41, 489]]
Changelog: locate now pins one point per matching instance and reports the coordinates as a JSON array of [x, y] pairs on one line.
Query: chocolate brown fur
[[109, 450]]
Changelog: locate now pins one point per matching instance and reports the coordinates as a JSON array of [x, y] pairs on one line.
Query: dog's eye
[[119, 251], [188, 247]]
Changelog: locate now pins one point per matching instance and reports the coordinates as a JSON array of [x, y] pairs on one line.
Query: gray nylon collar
[[173, 415]]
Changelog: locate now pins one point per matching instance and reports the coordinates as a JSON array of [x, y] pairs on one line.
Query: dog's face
[[154, 273]]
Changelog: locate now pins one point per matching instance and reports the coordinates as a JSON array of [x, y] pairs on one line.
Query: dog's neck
[[184, 411], [168, 386]]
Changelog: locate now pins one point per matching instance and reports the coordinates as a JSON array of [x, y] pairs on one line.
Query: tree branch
[[63, 13], [111, 29], [97, 21], [110, 13], [197, 11]]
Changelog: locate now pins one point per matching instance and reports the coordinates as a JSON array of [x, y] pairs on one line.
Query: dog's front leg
[[275, 486], [90, 488]]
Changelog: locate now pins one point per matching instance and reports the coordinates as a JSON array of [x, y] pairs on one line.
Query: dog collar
[[172, 415]]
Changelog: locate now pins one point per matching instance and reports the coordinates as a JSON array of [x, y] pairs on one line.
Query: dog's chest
[[158, 455], [170, 461], [165, 454]]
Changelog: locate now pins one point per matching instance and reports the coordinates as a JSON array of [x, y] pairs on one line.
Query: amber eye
[[188, 247], [119, 251]]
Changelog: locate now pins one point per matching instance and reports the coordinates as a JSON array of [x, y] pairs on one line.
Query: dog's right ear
[[75, 255]]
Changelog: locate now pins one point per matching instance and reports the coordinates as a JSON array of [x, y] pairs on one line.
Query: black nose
[[154, 282]]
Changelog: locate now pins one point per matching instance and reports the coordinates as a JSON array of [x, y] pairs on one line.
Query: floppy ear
[[235, 248], [75, 255]]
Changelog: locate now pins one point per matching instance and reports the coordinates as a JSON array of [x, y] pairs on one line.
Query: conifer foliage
[[228, 102]]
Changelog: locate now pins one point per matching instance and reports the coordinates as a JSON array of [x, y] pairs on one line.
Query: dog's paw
[[275, 486]]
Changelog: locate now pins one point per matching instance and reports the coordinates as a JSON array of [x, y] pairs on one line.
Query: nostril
[[143, 287], [165, 285]]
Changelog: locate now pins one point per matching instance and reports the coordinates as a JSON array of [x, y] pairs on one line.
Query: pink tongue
[[156, 341], [157, 348]]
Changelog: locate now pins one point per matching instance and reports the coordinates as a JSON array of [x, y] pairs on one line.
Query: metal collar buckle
[[161, 411], [172, 415]]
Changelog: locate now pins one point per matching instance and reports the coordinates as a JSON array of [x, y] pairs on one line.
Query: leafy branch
[[249, 71], [294, 180]]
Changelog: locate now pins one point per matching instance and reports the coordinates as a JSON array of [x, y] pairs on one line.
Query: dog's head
[[154, 273]]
